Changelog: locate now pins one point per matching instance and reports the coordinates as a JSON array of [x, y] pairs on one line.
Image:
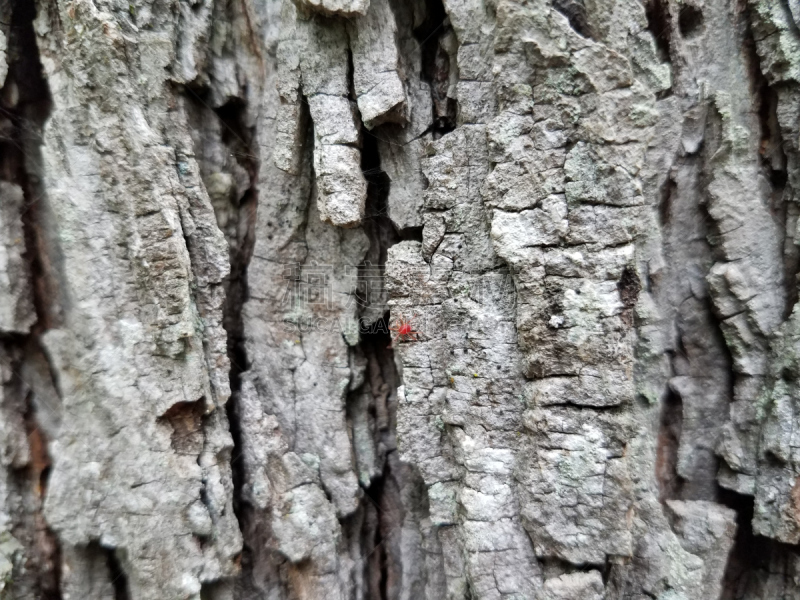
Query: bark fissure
[[434, 34], [24, 107], [575, 11], [119, 580], [382, 563], [235, 204], [215, 216]]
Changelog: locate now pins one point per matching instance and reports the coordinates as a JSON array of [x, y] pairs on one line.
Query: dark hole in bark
[[690, 20], [771, 144], [119, 580], [659, 25], [351, 86], [436, 65], [236, 135], [752, 556], [778, 178], [375, 548], [665, 204], [374, 334], [575, 11], [377, 225], [383, 505], [773, 460], [214, 590], [669, 436], [377, 222], [628, 286], [186, 420], [411, 233]]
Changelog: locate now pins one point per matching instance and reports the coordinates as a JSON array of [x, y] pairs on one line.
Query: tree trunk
[[399, 299]]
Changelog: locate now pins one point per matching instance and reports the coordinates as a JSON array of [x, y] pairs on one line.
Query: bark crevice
[[25, 104]]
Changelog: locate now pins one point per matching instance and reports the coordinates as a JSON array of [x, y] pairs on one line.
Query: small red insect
[[404, 331]]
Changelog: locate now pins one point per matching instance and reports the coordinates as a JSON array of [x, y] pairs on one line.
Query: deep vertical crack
[[119, 581], [658, 23], [25, 104], [436, 65], [774, 165], [669, 437], [236, 215], [236, 137], [236, 291], [753, 555], [381, 375]]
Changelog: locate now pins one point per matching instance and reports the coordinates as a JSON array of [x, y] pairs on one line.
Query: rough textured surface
[[336, 7], [216, 215], [16, 300]]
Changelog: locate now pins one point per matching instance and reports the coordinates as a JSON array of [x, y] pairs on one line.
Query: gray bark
[[216, 217]]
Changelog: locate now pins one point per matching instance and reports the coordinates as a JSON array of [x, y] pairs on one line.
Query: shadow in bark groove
[[382, 567], [118, 579], [751, 553], [575, 11], [660, 26], [658, 23], [690, 20], [669, 437], [25, 104], [382, 505], [436, 65], [775, 168], [236, 216]]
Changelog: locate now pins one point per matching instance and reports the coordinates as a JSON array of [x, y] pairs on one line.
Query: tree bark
[[399, 299]]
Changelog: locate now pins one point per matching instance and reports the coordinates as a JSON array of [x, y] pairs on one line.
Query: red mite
[[404, 331]]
